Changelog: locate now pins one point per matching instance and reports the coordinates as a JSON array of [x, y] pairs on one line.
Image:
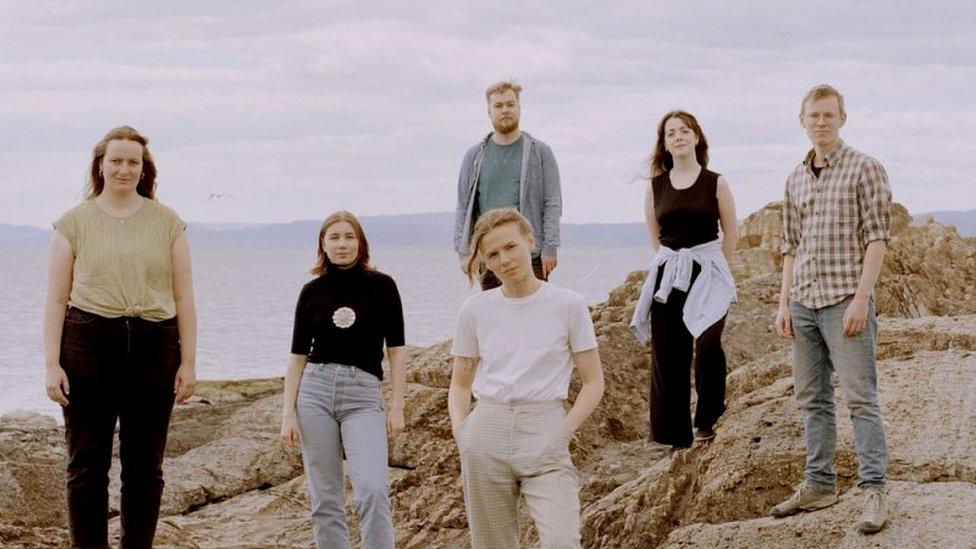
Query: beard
[[505, 126]]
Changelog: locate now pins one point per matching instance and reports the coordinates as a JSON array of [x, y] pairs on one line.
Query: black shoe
[[702, 435]]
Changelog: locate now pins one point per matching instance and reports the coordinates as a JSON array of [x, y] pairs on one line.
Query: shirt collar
[[828, 158]]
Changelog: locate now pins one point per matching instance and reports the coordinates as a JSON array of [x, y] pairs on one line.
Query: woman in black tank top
[[685, 205]]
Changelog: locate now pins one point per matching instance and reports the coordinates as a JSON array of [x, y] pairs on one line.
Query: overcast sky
[[296, 109]]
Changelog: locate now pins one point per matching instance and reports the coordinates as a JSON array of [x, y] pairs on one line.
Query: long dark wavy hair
[[323, 264], [661, 160], [147, 179]]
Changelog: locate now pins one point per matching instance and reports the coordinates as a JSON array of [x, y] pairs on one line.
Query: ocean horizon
[[245, 305]]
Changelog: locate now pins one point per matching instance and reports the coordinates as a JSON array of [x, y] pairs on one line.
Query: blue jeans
[[820, 348], [340, 408]]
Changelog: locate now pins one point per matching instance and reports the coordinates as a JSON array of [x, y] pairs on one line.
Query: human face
[[504, 111], [679, 138], [507, 253], [121, 167], [340, 244], [822, 120]]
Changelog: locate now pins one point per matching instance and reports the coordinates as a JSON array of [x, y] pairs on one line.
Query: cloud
[[309, 106]]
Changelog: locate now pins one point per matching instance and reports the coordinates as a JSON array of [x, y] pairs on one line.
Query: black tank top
[[687, 217]]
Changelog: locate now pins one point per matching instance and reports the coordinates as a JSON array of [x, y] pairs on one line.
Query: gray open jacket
[[540, 198]]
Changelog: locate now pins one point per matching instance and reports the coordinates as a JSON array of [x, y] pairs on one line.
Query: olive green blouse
[[123, 266]]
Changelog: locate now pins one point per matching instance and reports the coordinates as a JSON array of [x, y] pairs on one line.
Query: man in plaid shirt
[[836, 218]]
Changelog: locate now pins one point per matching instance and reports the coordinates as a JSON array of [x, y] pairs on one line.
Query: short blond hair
[[503, 86], [820, 92], [490, 220]]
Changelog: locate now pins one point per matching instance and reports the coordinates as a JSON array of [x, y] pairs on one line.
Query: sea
[[246, 300]]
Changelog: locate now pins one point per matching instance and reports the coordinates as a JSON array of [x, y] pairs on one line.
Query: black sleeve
[[301, 337], [393, 314]]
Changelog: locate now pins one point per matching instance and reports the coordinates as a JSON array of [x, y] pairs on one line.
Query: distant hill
[[17, 236], [425, 229], [965, 222]]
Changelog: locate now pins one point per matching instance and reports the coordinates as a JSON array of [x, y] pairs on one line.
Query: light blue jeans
[[820, 348], [341, 408]]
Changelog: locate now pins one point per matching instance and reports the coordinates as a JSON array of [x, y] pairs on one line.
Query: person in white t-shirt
[[514, 350]]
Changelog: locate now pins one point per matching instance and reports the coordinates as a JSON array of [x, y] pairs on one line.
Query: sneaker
[[806, 498], [875, 512], [702, 435]]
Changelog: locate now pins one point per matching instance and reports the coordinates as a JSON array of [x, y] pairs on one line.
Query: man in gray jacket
[[509, 168]]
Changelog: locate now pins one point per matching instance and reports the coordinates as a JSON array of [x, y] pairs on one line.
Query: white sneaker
[[806, 498], [875, 512]]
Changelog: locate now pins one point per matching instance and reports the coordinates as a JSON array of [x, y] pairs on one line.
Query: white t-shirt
[[525, 344]]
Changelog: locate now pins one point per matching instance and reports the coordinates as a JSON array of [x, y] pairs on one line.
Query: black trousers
[[671, 358], [119, 369], [489, 280]]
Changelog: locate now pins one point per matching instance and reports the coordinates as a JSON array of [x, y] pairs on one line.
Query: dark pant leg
[[89, 425], [144, 417], [537, 268], [670, 394], [710, 376], [489, 280]]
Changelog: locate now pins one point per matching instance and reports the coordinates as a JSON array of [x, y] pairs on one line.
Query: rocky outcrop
[[231, 483], [928, 270]]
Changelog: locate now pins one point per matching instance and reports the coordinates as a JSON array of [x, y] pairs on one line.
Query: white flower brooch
[[344, 317]]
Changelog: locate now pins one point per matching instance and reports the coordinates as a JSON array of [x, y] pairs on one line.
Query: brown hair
[[494, 218], [503, 86], [661, 160], [820, 92], [147, 179], [362, 256]]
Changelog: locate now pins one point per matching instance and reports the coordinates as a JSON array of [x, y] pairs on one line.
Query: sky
[[295, 109]]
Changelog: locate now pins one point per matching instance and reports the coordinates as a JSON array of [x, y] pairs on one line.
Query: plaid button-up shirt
[[829, 221]]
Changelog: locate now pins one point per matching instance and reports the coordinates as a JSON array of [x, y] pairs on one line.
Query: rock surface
[[230, 483]]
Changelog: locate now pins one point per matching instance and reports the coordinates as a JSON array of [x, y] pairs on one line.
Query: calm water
[[246, 299]]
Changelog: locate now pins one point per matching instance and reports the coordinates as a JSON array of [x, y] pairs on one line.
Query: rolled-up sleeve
[[874, 202]]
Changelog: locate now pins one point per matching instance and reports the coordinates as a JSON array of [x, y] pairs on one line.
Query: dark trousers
[[121, 370], [671, 357], [489, 280]]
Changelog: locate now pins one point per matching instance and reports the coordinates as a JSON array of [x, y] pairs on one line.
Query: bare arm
[[186, 319], [61, 262], [398, 377], [726, 210], [650, 218], [873, 259], [459, 394], [289, 417], [591, 374], [856, 315], [784, 322]]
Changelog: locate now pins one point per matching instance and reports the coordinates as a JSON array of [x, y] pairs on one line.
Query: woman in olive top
[[332, 403], [119, 338]]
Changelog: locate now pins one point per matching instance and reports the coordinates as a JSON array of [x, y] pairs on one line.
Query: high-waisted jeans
[[340, 409], [119, 370]]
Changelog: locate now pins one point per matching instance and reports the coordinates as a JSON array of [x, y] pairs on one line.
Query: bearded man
[[509, 168]]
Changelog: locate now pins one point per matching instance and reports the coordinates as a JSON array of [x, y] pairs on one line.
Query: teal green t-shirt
[[498, 182]]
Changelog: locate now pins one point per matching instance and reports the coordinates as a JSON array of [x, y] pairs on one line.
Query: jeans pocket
[[366, 379]]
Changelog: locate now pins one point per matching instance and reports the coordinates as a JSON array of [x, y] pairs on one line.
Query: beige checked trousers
[[508, 448]]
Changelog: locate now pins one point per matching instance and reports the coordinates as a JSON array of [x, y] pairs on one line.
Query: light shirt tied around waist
[[708, 298], [524, 344], [123, 265]]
